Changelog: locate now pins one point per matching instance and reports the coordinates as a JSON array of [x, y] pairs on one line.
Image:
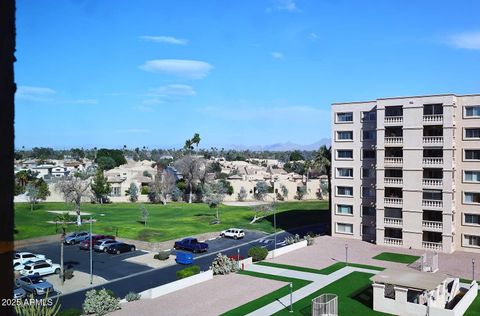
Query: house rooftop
[[409, 97], [410, 279]]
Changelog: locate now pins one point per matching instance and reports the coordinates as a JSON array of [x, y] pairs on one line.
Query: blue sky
[[251, 72]]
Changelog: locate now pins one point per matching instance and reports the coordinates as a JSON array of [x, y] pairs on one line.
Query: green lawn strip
[[396, 257], [474, 309], [330, 269], [354, 293], [268, 298], [165, 222]]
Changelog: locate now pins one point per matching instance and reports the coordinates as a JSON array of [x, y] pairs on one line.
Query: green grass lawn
[[330, 269], [165, 222], [474, 309], [396, 257], [268, 298]]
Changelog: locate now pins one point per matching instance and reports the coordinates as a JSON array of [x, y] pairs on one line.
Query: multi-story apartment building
[[406, 171]]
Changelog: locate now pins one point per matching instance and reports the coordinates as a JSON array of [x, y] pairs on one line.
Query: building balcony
[[435, 204], [433, 140], [392, 241], [432, 226], [391, 221], [393, 201], [393, 120], [436, 183], [393, 181], [393, 140], [435, 246], [432, 161], [436, 118], [393, 161]]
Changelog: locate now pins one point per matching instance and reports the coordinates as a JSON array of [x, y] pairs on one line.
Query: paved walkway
[[318, 281]]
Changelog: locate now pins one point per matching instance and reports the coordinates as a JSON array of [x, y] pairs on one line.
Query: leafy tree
[[323, 159], [116, 154], [162, 187], [106, 163], [43, 190], [73, 190], [22, 178], [213, 195], [32, 193], [100, 186], [284, 191], [77, 153], [242, 195], [43, 153], [144, 214], [227, 185], [296, 156], [191, 169], [132, 192], [147, 174], [301, 192], [261, 190], [177, 194], [215, 167]]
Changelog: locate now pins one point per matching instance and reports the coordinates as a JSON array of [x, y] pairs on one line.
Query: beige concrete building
[[406, 172]]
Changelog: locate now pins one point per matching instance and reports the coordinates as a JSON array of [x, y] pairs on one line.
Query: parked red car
[[85, 245]]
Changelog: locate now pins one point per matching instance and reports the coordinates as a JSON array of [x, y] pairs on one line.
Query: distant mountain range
[[288, 146]]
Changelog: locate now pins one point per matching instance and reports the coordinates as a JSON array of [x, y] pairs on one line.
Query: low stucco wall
[[286, 249], [177, 285]]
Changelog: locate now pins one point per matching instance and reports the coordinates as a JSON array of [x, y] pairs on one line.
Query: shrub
[[68, 273], [70, 312], [223, 265], [257, 253], [162, 255], [144, 190], [100, 302], [132, 296], [292, 239], [186, 272], [310, 240]]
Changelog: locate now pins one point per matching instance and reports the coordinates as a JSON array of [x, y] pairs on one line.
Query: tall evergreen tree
[[100, 187]]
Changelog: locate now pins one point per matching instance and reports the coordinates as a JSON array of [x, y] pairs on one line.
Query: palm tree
[[64, 220], [323, 159]]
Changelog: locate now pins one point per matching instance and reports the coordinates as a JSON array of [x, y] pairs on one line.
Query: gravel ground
[[148, 260], [80, 280], [213, 297]]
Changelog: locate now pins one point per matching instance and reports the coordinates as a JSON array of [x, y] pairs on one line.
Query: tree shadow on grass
[[364, 296]]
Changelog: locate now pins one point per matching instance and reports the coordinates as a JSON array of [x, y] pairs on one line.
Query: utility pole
[[346, 254], [91, 253], [291, 297], [274, 228]]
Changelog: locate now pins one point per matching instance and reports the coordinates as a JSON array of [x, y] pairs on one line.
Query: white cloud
[[164, 39], [277, 55], [470, 40], [34, 93], [190, 69], [284, 5], [313, 36], [85, 101], [179, 90]]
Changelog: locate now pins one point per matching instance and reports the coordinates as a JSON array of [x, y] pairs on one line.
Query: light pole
[[91, 252], [473, 269], [291, 297], [346, 254], [274, 227]]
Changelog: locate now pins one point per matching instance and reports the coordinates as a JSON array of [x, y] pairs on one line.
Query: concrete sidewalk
[[318, 281]]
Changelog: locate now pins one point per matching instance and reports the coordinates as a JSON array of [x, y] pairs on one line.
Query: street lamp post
[[274, 228], [291, 297], [346, 254], [91, 253], [473, 269]]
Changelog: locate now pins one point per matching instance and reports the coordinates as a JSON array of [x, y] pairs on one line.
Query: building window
[[344, 228], [472, 240], [369, 135], [432, 109], [472, 154], [472, 133], [345, 172], [368, 173], [344, 209], [471, 197], [471, 176], [472, 111], [369, 116], [473, 219], [368, 192], [368, 210], [345, 191], [368, 154], [345, 117], [345, 154], [368, 230], [345, 135]]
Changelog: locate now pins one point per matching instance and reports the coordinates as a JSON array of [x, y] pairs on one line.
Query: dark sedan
[[120, 247]]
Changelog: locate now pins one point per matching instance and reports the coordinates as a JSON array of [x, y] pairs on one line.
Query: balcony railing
[[394, 160], [433, 140], [432, 161], [432, 225], [390, 180], [393, 119], [432, 203], [392, 241], [393, 140], [432, 182], [437, 246], [393, 201], [393, 221], [436, 118]]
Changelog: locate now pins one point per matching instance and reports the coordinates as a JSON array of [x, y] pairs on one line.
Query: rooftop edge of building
[[408, 97]]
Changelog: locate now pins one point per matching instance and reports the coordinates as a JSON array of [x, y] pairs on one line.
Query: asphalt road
[[146, 278]]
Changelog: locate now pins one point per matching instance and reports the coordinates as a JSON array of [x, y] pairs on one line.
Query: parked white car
[[17, 266], [22, 257], [235, 233], [40, 268]]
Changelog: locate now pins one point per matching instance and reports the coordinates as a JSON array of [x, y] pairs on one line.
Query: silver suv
[[103, 244]]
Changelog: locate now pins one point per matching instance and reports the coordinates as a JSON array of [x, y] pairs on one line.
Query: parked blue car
[[191, 244], [184, 258]]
